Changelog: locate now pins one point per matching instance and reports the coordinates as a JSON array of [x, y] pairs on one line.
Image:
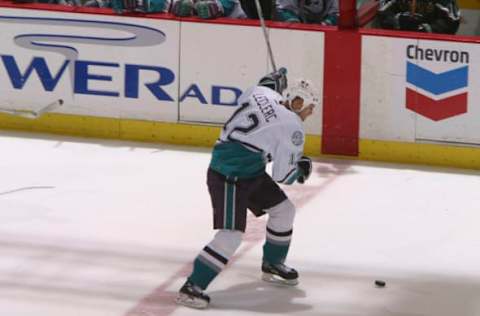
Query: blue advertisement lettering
[[132, 81], [82, 77], [217, 95], [194, 92], [37, 64]]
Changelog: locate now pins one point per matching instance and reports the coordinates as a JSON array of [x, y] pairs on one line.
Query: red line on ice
[[160, 302]]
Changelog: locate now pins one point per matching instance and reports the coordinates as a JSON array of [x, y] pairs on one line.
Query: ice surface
[[107, 228]]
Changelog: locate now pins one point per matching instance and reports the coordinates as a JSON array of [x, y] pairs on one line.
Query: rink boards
[[157, 78], [420, 92]]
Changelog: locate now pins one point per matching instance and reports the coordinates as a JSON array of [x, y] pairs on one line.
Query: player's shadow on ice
[[260, 297]]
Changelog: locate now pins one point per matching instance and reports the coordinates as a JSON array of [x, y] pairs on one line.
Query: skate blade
[[185, 300], [275, 279]]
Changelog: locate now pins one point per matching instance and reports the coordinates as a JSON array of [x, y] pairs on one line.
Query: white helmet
[[304, 89]]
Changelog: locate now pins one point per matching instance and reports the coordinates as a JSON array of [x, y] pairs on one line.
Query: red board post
[[341, 87]]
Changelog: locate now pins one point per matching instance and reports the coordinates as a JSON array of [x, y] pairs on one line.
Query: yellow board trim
[[420, 153], [469, 4], [206, 135], [123, 129]]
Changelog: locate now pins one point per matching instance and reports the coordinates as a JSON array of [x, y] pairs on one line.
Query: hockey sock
[[204, 270], [214, 257], [276, 246], [279, 232]]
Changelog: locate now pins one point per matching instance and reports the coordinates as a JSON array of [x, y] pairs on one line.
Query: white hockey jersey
[[261, 130]]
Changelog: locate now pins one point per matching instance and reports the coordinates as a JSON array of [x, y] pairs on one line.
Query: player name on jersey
[[265, 106]]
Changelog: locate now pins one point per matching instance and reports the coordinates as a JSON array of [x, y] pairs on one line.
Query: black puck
[[380, 283]]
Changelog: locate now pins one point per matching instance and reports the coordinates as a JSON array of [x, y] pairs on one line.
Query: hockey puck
[[380, 283]]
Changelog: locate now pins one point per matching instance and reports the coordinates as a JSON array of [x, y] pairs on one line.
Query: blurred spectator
[[126, 6], [23, 1], [72, 3], [98, 3], [208, 9], [323, 12], [250, 8], [431, 16]]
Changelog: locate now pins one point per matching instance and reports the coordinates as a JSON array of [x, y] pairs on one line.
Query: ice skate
[[192, 296], [279, 274]]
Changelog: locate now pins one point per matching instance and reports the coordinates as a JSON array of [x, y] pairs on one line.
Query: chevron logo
[[437, 96]]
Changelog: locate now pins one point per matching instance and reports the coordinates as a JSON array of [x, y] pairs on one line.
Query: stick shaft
[[265, 35], [33, 114], [49, 107]]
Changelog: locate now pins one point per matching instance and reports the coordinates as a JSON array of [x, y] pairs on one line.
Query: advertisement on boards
[[444, 82], [148, 69], [99, 65], [420, 90], [218, 62]]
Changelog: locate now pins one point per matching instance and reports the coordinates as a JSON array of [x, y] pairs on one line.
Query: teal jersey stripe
[[232, 159], [229, 205]]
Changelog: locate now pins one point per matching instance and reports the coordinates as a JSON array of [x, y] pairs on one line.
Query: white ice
[[107, 228]]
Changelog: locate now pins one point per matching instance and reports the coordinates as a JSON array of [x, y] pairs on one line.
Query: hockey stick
[[265, 35], [34, 114]]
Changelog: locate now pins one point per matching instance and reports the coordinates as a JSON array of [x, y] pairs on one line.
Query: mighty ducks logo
[[439, 90], [297, 138]]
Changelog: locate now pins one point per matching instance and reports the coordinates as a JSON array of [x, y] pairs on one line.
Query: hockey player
[[429, 16], [208, 9], [266, 127], [324, 12]]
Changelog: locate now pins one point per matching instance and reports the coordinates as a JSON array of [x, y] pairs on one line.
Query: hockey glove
[[304, 166], [209, 9], [182, 8]]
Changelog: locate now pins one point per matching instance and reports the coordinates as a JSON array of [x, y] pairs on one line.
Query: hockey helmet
[[304, 89], [276, 80]]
